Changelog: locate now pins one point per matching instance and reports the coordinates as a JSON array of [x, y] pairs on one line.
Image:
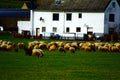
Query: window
[[80, 15], [78, 29], [43, 29], [57, 2], [69, 17], [55, 17], [113, 4], [67, 29], [54, 29], [111, 17]]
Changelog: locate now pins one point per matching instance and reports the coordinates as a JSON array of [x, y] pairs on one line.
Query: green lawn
[[58, 66]]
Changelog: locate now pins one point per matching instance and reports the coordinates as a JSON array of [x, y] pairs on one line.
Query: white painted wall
[[95, 20], [48, 21], [24, 25]]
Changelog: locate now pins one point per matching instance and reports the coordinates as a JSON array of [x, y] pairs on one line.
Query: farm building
[[12, 11], [73, 18]]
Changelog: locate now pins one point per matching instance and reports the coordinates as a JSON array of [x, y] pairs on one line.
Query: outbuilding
[[75, 16]]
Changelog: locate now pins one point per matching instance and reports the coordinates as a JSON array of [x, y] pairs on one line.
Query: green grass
[[11, 4], [59, 66]]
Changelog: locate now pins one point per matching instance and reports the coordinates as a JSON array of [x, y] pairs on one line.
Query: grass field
[[54, 65]]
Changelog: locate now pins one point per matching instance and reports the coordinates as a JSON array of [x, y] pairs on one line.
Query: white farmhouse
[[74, 17]]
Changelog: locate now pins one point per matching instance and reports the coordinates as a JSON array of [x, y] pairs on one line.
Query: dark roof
[[74, 5], [13, 7], [14, 12]]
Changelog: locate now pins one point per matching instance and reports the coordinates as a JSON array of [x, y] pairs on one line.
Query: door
[[37, 31]]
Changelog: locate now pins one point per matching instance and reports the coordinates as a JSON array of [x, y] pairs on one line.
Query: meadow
[[54, 65]]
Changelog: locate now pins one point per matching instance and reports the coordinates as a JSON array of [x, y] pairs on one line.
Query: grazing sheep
[[37, 52], [103, 48], [36, 47], [67, 46], [100, 48], [48, 45], [31, 44], [14, 44], [3, 46], [74, 44], [87, 48], [36, 42], [72, 49], [28, 51], [114, 49], [9, 47], [9, 43], [4, 42], [20, 45], [52, 48], [80, 45], [42, 46], [61, 49], [1, 41], [61, 44], [117, 45]]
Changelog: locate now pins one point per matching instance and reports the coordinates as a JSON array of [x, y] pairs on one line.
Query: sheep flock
[[36, 48]]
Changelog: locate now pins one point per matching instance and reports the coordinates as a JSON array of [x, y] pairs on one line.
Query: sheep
[[31, 44], [42, 46], [87, 48], [3, 46], [61, 49], [14, 44], [117, 45], [80, 45], [4, 42], [114, 49], [36, 47], [48, 45], [74, 44], [67, 46], [103, 48], [9, 47], [37, 52], [72, 49], [1, 41], [20, 45], [36, 42], [52, 48], [9, 43], [60, 44], [28, 51]]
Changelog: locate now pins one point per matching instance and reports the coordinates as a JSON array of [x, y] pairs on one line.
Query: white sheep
[[36, 47], [72, 49], [61, 49], [20, 45], [42, 45], [37, 52], [52, 48], [74, 44], [9, 47]]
